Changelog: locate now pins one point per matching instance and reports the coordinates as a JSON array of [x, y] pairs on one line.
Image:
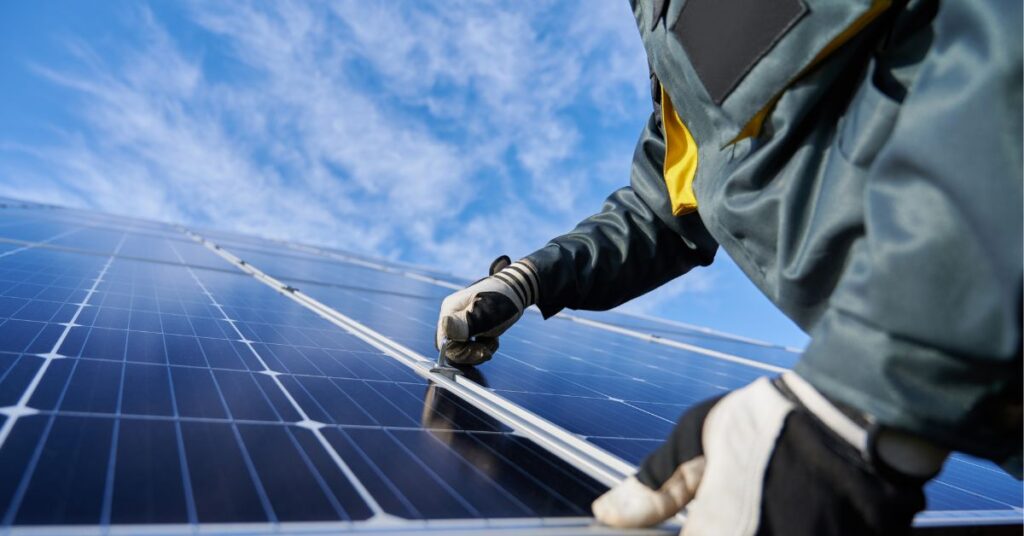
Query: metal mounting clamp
[[442, 367]]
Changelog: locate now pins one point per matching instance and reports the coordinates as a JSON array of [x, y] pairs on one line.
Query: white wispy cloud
[[442, 134]]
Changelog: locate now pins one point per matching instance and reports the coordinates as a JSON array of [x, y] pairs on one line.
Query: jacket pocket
[[747, 52]]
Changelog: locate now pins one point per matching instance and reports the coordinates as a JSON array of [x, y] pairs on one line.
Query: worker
[[861, 163]]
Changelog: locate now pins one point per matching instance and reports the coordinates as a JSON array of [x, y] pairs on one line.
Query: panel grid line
[[30, 467], [589, 458], [233, 370], [251, 422], [268, 510], [13, 414], [306, 421], [437, 478], [22, 488], [31, 245], [108, 489], [186, 478], [321, 483], [383, 478], [537, 482], [471, 467]]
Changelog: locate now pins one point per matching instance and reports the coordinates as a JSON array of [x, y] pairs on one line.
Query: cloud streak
[[440, 134]]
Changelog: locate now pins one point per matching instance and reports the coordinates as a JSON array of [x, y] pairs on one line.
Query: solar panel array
[[150, 378]]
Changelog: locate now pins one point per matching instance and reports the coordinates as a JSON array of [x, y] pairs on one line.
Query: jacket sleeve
[[924, 328], [632, 246]]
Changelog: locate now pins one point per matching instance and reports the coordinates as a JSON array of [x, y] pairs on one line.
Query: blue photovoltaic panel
[[183, 395], [242, 243], [622, 394], [200, 395], [301, 268], [765, 353], [101, 238]]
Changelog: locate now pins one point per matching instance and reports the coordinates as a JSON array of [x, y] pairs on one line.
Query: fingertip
[[598, 509], [631, 504], [439, 334]]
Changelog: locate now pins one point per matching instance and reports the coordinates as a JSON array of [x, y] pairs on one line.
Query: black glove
[[776, 457], [472, 318]]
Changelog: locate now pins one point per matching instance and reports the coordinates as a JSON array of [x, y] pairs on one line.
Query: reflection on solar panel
[[154, 376]]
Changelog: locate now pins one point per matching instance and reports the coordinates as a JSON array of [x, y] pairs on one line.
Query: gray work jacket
[[862, 165]]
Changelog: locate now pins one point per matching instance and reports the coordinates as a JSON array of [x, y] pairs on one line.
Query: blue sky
[[439, 133]]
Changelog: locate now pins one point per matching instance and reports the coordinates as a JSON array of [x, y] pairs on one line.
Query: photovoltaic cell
[[67, 483], [147, 489]]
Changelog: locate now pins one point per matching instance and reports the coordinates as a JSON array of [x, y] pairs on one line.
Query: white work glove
[[472, 319], [777, 457]]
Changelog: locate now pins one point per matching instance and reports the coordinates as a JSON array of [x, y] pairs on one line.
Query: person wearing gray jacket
[[861, 161]]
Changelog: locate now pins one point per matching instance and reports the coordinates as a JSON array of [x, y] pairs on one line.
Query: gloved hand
[[777, 457], [473, 318]]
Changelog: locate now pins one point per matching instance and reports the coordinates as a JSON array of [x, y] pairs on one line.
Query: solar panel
[[625, 396], [147, 378], [694, 335], [143, 392]]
